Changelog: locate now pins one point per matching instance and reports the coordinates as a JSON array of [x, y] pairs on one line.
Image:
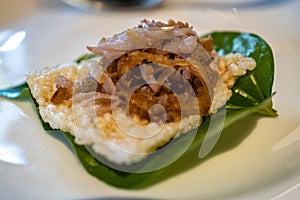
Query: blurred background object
[[113, 4]]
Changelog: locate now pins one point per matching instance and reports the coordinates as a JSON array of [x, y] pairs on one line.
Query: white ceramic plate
[[257, 159]]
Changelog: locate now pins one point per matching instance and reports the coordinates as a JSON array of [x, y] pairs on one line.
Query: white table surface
[[36, 165]]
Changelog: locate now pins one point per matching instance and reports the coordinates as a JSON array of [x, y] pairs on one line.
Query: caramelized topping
[[155, 45], [64, 90]]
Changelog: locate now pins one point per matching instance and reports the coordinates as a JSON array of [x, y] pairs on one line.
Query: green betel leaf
[[85, 57], [252, 93], [15, 92], [256, 85]]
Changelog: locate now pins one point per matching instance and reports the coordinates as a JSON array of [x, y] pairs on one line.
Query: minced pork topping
[[157, 46]]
